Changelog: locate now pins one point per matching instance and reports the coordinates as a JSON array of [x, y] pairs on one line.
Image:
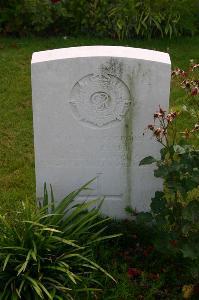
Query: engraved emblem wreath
[[100, 99]]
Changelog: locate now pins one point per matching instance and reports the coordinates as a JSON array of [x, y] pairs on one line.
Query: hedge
[[120, 19]]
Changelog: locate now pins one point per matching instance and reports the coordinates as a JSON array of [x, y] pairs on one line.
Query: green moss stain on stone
[[128, 142], [113, 66]]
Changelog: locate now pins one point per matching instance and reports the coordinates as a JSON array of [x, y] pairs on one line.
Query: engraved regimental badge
[[100, 99]]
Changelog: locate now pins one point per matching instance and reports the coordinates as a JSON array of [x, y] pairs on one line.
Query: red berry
[[133, 272], [194, 91]]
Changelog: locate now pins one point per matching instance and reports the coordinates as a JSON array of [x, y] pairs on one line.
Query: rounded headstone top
[[101, 51]]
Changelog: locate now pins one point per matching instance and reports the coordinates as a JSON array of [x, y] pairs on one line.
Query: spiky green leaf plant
[[47, 252]]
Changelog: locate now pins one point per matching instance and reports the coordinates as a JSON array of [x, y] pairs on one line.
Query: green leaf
[[158, 204], [163, 153], [106, 238], [161, 172], [50, 229], [179, 149], [186, 228], [52, 199], [14, 296], [24, 265], [97, 266], [35, 285], [45, 201], [43, 288], [147, 160], [190, 250], [161, 241], [21, 286], [144, 217], [67, 242], [6, 261], [191, 211]]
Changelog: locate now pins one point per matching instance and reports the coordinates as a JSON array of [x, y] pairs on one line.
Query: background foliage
[[108, 18]]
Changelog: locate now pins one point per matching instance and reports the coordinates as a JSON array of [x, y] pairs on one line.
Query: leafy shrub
[[108, 18], [174, 215], [47, 252], [145, 18], [89, 17], [24, 17], [11, 19]]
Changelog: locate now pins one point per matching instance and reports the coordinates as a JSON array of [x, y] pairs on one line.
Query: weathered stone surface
[[90, 108]]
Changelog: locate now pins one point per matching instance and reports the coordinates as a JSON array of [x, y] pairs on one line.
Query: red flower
[[171, 116], [158, 132], [134, 236], [194, 91], [184, 74], [178, 71], [55, 1], [159, 114], [196, 128], [151, 127], [133, 272], [148, 250], [154, 276], [186, 133], [173, 243], [195, 66]]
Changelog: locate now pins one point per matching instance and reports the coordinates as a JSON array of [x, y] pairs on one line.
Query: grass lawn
[[17, 178]]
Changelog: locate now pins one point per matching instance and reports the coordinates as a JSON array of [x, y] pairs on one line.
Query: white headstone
[[90, 108]]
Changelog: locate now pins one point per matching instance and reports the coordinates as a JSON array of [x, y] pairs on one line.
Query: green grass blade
[[6, 261], [67, 242], [97, 266], [45, 291], [35, 285], [52, 199], [24, 265]]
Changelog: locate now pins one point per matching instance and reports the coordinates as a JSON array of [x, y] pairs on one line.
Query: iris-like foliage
[[47, 252]]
